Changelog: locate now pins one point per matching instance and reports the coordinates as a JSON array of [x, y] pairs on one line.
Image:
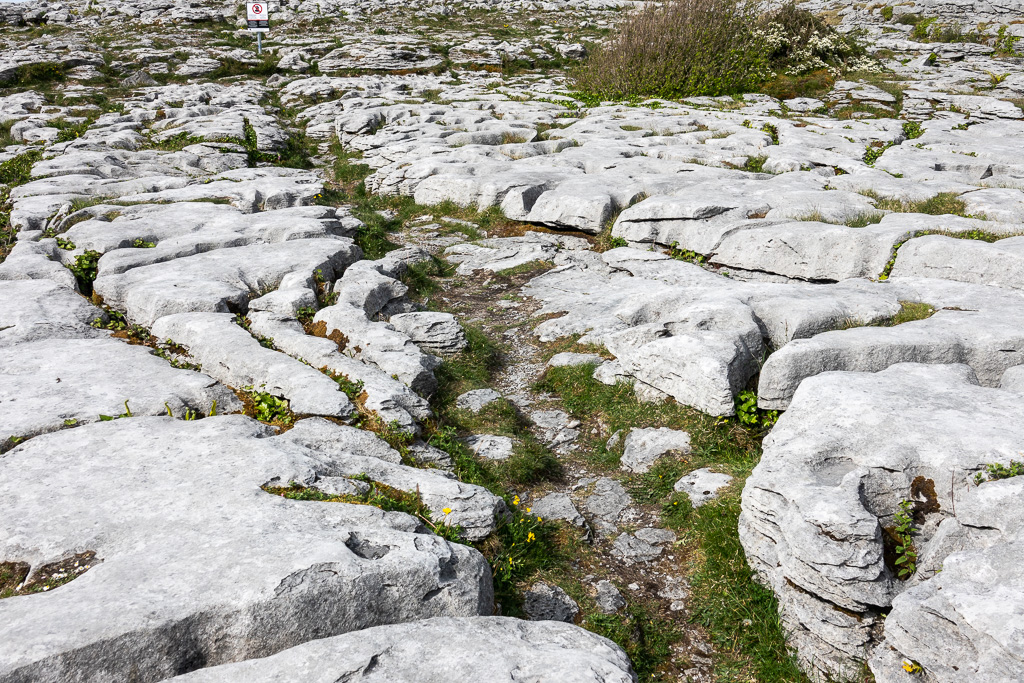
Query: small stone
[[608, 500], [645, 446], [475, 400], [490, 446], [702, 485], [655, 536], [609, 600], [425, 454], [614, 440], [544, 602], [558, 506], [433, 332], [139, 79], [631, 549]]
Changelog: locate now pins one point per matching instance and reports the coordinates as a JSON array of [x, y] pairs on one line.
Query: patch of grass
[[14, 575], [18, 170], [530, 267], [39, 73], [740, 615], [814, 84], [177, 142], [941, 204], [645, 635], [714, 440], [378, 495], [755, 164], [420, 277]]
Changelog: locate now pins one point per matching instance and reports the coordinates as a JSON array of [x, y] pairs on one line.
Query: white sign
[[258, 14]]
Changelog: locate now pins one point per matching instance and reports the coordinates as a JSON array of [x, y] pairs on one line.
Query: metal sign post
[[258, 16]]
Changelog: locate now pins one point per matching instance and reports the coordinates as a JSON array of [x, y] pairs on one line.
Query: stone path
[[256, 422]]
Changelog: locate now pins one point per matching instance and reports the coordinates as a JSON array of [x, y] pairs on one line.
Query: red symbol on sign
[[257, 9]]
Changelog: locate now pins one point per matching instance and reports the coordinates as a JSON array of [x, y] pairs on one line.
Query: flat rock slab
[[477, 399], [32, 310], [49, 385], [558, 506], [544, 602], [197, 565], [645, 446], [490, 446], [441, 650], [702, 485], [560, 360]]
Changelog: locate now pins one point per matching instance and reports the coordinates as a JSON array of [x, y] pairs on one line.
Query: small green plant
[[268, 408], [305, 314], [85, 269], [874, 151], [906, 554], [887, 13], [912, 130], [127, 413], [755, 164], [523, 547], [752, 417], [772, 132], [996, 470], [65, 244], [140, 243], [685, 254]]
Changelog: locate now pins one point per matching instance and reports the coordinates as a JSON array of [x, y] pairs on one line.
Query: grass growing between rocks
[[376, 494], [739, 615]]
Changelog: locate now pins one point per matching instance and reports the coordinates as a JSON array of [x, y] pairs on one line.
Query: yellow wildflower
[[515, 501], [531, 537], [447, 511]]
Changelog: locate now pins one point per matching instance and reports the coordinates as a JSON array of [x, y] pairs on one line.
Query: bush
[[681, 48], [685, 48]]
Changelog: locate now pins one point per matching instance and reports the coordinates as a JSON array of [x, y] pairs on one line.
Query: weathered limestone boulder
[[819, 507], [195, 564], [441, 650]]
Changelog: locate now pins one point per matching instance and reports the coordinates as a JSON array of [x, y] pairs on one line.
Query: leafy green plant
[[752, 417], [65, 244], [912, 130], [268, 408], [85, 269], [906, 554], [755, 164], [874, 151], [140, 243], [685, 254], [127, 413], [887, 13], [996, 470]]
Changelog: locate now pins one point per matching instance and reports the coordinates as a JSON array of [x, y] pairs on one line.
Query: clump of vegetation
[[378, 495], [902, 534], [685, 254], [267, 408], [85, 269], [39, 73], [679, 49], [996, 470], [645, 635], [18, 170], [684, 48], [752, 417]]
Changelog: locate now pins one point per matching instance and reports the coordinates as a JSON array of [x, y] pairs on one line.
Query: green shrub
[[715, 47], [681, 48]]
